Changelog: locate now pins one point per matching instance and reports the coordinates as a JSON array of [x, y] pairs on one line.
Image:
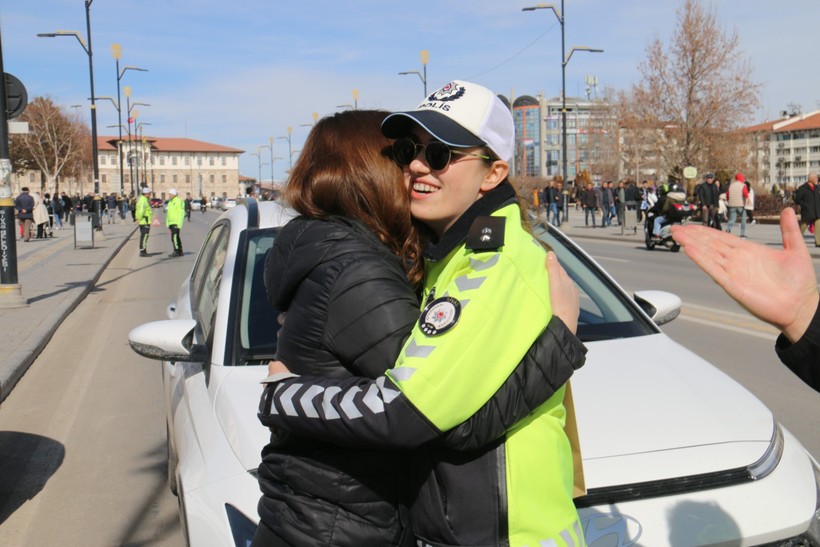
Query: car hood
[[649, 409]]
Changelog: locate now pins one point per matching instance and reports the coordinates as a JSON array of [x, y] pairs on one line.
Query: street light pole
[[425, 56], [88, 50], [290, 149], [116, 51], [564, 60]]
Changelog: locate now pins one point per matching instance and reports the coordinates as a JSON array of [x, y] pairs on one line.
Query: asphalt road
[[715, 327], [86, 462]]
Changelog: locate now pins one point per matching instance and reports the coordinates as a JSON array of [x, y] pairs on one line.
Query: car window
[[259, 322], [606, 312], [207, 278]]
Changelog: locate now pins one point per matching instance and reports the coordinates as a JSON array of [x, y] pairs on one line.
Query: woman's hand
[[564, 297], [276, 367]]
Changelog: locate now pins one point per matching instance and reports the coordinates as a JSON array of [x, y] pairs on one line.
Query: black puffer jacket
[[349, 309]]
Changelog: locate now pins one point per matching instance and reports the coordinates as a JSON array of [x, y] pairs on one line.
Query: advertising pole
[[10, 293]]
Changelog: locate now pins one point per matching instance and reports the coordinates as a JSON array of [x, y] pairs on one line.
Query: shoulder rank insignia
[[486, 234], [440, 315]]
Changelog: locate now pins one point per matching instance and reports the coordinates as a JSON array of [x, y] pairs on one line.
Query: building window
[[199, 161], [224, 179], [212, 179], [224, 161], [31, 177], [187, 160], [162, 161], [173, 160], [103, 178], [210, 161], [187, 179], [102, 160], [162, 179], [174, 179]]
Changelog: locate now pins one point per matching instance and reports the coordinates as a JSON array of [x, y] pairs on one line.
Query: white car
[[228, 203], [675, 452]]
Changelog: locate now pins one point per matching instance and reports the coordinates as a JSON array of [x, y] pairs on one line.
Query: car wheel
[[172, 464]]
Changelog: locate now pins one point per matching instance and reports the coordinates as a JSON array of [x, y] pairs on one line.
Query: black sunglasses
[[437, 154]]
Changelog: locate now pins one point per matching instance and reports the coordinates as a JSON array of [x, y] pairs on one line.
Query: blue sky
[[237, 73]]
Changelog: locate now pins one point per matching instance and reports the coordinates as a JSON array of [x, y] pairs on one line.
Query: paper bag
[[571, 428]]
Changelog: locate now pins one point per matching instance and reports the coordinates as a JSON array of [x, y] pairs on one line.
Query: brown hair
[[346, 168]]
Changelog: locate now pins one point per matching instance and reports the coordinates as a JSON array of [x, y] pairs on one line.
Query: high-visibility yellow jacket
[[500, 475], [143, 214], [175, 214]]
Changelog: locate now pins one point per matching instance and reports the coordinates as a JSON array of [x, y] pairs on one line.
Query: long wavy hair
[[346, 168]]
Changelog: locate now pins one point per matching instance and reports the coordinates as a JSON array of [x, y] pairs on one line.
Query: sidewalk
[[766, 234], [54, 278]]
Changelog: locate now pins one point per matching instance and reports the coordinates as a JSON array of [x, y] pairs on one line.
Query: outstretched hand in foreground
[[776, 286]]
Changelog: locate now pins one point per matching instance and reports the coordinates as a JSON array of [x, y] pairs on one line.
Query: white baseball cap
[[461, 115], [146, 190], [172, 191]]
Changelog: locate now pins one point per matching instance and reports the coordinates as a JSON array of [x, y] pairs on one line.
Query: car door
[[193, 421]]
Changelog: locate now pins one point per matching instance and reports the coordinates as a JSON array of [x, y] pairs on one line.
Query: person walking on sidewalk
[[24, 203], [808, 198], [736, 197], [590, 203], [174, 220], [188, 206], [144, 216]]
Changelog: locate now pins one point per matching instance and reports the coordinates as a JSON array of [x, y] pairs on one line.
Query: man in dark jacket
[[24, 203], [589, 201], [808, 198], [708, 195]]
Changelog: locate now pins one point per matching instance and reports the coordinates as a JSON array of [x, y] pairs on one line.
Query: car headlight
[[242, 528]]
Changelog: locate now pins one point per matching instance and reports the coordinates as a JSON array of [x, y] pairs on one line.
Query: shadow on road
[[28, 463]]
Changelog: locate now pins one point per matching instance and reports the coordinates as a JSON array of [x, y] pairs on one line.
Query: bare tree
[[55, 144], [697, 89]]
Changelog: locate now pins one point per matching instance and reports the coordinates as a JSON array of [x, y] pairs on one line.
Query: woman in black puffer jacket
[[345, 273]]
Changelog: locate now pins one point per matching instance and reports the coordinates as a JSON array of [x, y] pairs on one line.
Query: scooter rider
[[662, 205]]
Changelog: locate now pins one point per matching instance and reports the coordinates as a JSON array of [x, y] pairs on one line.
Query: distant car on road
[[197, 204], [228, 203], [156, 203], [674, 451]]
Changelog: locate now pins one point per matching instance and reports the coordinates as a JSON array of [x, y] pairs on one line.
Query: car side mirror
[[661, 306], [169, 340]]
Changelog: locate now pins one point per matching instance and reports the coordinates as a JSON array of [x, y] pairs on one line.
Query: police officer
[[144, 216], [174, 219]]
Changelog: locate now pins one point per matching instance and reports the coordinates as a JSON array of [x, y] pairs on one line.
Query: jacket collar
[[501, 195]]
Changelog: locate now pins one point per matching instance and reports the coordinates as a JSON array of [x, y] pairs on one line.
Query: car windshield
[[606, 311]]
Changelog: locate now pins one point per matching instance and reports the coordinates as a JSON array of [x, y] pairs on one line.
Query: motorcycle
[[677, 213]]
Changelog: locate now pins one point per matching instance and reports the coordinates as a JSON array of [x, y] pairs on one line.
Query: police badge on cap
[[439, 316]]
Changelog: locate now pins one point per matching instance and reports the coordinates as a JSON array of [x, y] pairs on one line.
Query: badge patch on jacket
[[439, 316]]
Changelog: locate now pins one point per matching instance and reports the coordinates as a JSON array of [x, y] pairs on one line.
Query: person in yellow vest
[[174, 219], [144, 216], [486, 297]]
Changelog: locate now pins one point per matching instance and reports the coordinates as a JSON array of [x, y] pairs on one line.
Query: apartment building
[[785, 151]]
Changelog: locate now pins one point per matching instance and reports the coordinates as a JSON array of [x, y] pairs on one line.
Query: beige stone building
[[201, 168]]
